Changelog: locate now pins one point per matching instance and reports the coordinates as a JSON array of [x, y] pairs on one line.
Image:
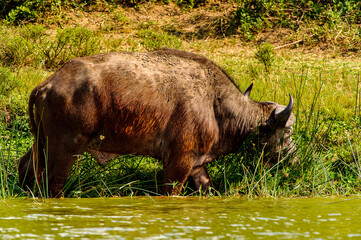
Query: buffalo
[[175, 106]]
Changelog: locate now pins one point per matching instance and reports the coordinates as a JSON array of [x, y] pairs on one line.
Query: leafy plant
[[248, 19], [16, 12], [266, 55]]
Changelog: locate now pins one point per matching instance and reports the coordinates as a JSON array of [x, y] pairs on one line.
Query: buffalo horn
[[248, 91], [282, 117]]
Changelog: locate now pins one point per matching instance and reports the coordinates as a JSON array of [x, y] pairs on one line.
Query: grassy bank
[[320, 71]]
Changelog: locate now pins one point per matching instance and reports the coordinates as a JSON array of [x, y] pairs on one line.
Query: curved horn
[[248, 91], [282, 117]]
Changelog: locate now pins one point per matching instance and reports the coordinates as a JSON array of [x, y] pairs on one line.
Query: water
[[181, 218]]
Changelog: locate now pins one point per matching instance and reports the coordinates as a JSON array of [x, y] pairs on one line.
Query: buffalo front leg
[[176, 173], [201, 178]]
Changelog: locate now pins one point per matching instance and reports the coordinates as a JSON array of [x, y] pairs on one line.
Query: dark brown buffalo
[[172, 105]]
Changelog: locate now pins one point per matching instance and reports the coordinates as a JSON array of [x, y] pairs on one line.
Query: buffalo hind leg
[[31, 169], [176, 173], [26, 170], [62, 155], [59, 168]]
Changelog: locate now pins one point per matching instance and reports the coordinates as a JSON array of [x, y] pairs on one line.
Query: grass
[[325, 86]]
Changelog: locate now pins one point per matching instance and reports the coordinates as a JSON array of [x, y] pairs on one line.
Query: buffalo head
[[274, 134]]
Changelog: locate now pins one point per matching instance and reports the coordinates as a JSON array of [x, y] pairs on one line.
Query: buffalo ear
[[248, 91], [280, 115]]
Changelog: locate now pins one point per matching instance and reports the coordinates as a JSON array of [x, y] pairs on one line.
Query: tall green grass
[[13, 143]]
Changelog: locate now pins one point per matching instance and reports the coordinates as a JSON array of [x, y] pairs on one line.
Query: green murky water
[[181, 218]]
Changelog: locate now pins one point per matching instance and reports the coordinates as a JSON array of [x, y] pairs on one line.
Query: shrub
[[266, 55], [16, 51], [69, 43], [253, 16], [7, 82], [248, 19], [29, 45], [152, 40], [15, 11], [20, 46]]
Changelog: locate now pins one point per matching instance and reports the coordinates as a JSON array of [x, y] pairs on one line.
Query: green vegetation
[[307, 48], [265, 54]]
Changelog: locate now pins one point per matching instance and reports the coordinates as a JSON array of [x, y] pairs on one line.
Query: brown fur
[[172, 105]]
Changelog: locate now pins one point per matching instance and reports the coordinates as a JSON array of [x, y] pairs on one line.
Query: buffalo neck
[[237, 116]]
